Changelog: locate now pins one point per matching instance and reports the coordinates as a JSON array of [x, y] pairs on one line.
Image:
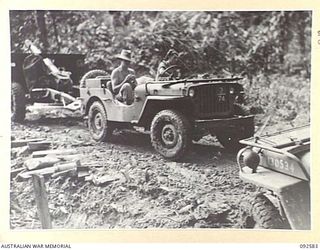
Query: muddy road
[[144, 191]]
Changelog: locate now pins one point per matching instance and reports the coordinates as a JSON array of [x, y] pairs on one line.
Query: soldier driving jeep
[[123, 79], [168, 68]]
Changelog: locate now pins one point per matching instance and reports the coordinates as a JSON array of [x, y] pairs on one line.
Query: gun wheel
[[99, 126], [258, 212], [170, 134], [18, 102]]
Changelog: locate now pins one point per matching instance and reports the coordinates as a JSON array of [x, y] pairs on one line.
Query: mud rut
[[202, 191]]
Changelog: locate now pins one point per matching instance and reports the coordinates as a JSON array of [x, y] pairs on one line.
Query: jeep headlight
[[231, 90], [251, 159], [192, 92]]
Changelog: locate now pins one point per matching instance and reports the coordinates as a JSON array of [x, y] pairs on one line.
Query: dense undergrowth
[[285, 98]]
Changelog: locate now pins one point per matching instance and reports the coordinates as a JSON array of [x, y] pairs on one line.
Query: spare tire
[[18, 102], [92, 74]]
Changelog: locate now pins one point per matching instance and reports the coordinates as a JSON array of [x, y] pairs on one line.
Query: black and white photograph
[[134, 119]]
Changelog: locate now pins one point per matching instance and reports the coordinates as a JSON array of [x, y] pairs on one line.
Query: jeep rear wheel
[[259, 212], [230, 141], [18, 102], [171, 134], [99, 126]]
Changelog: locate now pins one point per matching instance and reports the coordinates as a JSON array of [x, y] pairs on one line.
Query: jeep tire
[[230, 139], [171, 134], [92, 74], [99, 127], [18, 102], [259, 212]]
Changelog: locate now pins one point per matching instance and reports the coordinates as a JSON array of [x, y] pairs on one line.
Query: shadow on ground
[[141, 142]]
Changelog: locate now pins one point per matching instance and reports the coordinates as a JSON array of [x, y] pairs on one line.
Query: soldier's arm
[[116, 85], [161, 69], [133, 79]]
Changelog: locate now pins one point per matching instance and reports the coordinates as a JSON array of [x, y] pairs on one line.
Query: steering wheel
[[166, 71]]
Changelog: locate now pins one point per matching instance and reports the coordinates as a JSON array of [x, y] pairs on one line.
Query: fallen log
[[23, 151], [83, 168], [104, 180], [44, 153], [15, 172], [50, 170], [37, 163], [88, 178], [40, 145], [71, 172], [69, 157], [83, 173], [21, 143]]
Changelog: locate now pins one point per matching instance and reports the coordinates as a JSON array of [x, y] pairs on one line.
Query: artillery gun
[[35, 79]]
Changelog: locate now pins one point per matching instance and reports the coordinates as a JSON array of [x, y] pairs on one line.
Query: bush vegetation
[[270, 49]]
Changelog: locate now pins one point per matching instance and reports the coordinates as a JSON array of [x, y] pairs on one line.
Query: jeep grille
[[212, 100]]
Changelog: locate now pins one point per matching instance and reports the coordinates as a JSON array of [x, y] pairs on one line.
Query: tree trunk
[[41, 22], [58, 40], [301, 22]]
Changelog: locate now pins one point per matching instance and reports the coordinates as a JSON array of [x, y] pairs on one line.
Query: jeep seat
[[115, 101]]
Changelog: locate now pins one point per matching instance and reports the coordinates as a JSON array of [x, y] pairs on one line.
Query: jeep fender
[[90, 95], [155, 104], [294, 194], [294, 202]]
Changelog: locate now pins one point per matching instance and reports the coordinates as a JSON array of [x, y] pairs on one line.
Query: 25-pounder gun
[[44, 79]]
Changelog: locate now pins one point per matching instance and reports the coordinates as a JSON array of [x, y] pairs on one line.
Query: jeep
[[279, 165], [174, 112]]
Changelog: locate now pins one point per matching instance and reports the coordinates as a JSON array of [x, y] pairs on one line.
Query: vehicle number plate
[[280, 164], [221, 98]]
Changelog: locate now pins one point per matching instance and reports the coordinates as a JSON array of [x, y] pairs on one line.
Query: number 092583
[[309, 246]]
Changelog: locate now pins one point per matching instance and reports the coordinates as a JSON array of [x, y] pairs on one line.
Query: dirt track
[[148, 191]]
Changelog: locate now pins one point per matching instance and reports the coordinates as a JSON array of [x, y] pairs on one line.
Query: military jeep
[[279, 164], [175, 112]]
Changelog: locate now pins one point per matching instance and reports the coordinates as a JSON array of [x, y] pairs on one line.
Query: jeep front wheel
[[258, 212], [18, 102], [99, 128], [171, 134]]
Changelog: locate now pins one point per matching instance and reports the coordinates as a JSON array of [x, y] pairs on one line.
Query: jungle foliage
[[218, 43], [270, 49]]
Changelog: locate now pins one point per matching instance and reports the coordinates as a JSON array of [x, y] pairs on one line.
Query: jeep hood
[[179, 88]]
